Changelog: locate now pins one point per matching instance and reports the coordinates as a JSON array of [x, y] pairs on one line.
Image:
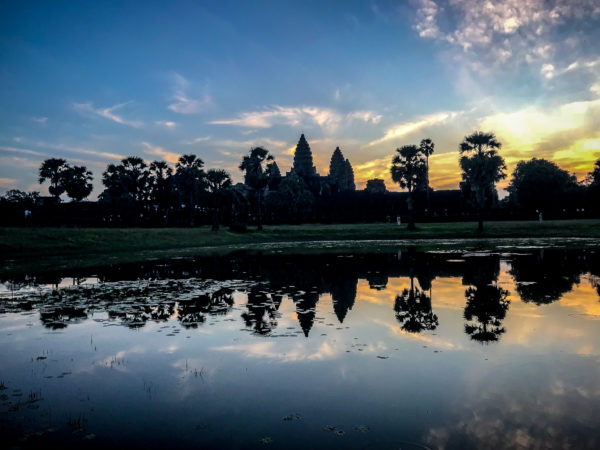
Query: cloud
[[426, 24], [166, 123], [42, 120], [490, 39], [297, 116], [167, 155], [407, 128], [183, 104], [107, 113], [7, 183], [196, 140]]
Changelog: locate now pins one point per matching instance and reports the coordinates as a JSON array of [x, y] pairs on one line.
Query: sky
[[94, 82]]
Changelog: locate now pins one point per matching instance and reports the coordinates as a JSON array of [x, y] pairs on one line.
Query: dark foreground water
[[465, 349]]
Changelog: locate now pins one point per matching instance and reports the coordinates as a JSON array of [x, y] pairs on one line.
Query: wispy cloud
[[107, 113], [183, 103], [196, 140], [42, 120], [166, 124], [7, 183], [296, 116], [407, 128], [167, 155]]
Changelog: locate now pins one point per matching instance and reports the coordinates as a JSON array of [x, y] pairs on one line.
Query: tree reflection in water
[[413, 310], [546, 276], [487, 302], [262, 307]]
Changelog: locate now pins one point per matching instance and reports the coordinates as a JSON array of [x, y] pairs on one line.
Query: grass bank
[[39, 248]]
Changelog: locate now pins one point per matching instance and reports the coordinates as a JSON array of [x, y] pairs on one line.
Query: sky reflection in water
[[410, 350]]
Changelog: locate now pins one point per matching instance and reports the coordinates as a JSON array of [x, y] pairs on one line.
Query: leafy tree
[[409, 171], [23, 198], [539, 184], [127, 179], [218, 183], [482, 168], [78, 182], [126, 186], [376, 186], [159, 184], [593, 181], [427, 147], [54, 170], [136, 172], [293, 199], [256, 175], [190, 182]]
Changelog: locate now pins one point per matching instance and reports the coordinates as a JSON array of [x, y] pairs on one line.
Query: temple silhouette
[[341, 174]]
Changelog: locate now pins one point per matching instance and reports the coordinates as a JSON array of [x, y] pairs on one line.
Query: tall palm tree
[[190, 180], [482, 168], [218, 183], [256, 176], [159, 176], [78, 182], [54, 170], [408, 170], [427, 147]]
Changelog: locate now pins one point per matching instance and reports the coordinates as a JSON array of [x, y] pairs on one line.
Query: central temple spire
[[303, 160]]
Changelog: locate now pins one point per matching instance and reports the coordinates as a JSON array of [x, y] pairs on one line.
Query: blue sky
[[96, 81]]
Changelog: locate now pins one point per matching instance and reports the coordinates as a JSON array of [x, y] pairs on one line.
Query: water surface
[[397, 349]]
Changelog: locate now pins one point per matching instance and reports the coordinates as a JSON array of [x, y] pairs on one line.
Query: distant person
[[540, 218], [398, 220]]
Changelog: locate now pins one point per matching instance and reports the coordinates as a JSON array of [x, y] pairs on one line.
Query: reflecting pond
[[402, 349]]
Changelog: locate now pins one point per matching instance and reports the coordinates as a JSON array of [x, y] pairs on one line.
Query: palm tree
[[159, 183], [482, 168], [54, 170], [190, 181], [77, 182], [218, 183], [408, 170], [427, 146], [256, 176]]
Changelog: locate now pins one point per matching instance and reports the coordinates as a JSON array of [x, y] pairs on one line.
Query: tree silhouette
[[482, 168], [593, 181], [190, 181], [77, 182], [544, 278], [256, 176], [262, 310], [376, 186], [413, 310], [427, 147], [218, 183], [54, 170], [293, 199], [541, 185], [159, 183], [487, 303], [409, 170]]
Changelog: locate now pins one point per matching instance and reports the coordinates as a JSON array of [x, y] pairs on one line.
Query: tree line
[[138, 193]]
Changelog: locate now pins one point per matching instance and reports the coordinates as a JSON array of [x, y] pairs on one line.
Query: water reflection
[[220, 351], [179, 288]]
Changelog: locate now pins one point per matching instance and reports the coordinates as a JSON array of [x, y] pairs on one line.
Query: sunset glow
[[218, 79]]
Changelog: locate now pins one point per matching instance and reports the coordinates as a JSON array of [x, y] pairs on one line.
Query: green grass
[[43, 248]]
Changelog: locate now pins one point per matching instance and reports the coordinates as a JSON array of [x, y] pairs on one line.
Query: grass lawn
[[39, 248]]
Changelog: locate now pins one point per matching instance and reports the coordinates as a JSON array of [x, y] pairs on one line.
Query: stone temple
[[341, 175]]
